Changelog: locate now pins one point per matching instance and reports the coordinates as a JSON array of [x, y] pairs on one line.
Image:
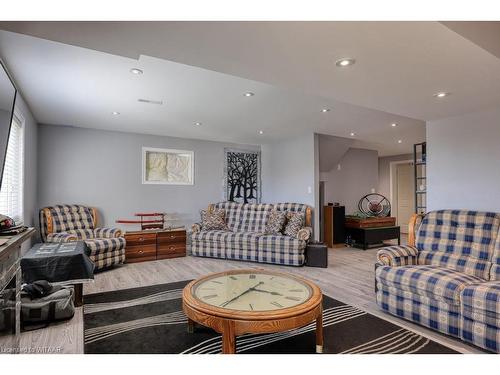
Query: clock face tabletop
[[247, 293]]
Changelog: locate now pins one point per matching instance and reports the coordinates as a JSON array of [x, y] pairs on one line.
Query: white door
[[405, 205]]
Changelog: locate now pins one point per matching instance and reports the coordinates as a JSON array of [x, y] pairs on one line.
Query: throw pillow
[[295, 222], [275, 222], [213, 220]]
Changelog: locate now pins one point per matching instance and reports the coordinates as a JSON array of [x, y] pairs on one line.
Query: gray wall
[[463, 156], [357, 176], [288, 170], [290, 173], [103, 169], [384, 172]]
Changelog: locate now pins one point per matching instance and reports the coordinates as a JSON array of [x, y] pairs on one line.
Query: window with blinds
[[11, 192]]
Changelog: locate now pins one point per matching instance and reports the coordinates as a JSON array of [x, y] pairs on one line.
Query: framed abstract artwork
[[242, 176], [167, 166]]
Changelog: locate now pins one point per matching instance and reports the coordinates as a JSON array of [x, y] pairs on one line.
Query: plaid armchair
[[448, 277], [66, 223]]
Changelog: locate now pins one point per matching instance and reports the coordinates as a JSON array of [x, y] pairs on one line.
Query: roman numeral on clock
[[216, 282], [295, 290], [233, 278], [293, 298], [276, 304], [251, 276]]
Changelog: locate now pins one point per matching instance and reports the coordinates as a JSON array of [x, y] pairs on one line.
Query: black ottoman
[[317, 255]]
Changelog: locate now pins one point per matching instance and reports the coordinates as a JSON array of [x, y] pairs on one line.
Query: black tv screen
[[7, 100]]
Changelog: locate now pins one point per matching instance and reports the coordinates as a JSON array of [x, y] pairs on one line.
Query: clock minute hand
[[238, 296]]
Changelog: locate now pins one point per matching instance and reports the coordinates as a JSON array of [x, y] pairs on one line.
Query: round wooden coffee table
[[237, 302]]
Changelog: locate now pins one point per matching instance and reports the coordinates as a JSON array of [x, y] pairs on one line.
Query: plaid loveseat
[[246, 239], [448, 277], [66, 223]]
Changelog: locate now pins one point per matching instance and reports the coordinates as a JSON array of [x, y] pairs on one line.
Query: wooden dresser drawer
[[166, 251], [140, 253], [172, 237], [140, 239]]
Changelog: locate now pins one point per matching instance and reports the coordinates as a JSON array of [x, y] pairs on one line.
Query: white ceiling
[[400, 65], [69, 85]]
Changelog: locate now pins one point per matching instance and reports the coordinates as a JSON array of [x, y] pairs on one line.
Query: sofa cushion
[[469, 233], [468, 265], [295, 222], [209, 243], [442, 284], [464, 240], [99, 246], [242, 239], [82, 234], [105, 260], [481, 302], [275, 222], [281, 244], [246, 217], [67, 217], [213, 220], [242, 245], [291, 207], [281, 250], [210, 235]]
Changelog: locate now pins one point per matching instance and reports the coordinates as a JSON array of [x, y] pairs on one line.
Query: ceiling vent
[[157, 102]]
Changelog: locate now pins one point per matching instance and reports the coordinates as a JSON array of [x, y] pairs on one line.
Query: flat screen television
[[7, 100]]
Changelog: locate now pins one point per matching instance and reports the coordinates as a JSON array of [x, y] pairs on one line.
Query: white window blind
[[11, 192]]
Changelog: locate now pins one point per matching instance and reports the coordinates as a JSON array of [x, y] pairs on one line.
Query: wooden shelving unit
[[420, 170]]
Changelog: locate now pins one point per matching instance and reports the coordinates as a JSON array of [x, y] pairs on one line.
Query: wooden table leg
[[319, 333], [228, 339], [190, 325], [78, 294]]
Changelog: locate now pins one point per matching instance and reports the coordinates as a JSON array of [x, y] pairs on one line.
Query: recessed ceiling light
[[345, 62], [353, 134], [248, 94], [442, 94], [197, 123], [114, 113], [261, 132], [394, 124], [136, 71], [324, 110], [400, 141]]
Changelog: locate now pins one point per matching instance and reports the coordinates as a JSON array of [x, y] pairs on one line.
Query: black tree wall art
[[242, 176]]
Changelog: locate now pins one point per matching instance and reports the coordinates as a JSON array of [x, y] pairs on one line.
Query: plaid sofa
[[246, 239], [65, 223], [448, 277]]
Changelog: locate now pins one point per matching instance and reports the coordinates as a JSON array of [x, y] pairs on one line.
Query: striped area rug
[[150, 320]]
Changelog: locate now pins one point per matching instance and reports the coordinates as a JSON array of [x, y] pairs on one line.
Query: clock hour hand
[[238, 296], [266, 291]]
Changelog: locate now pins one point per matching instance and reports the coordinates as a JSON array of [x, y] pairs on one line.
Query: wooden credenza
[[143, 246]]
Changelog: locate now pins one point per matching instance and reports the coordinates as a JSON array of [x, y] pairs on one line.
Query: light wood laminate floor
[[349, 278]]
